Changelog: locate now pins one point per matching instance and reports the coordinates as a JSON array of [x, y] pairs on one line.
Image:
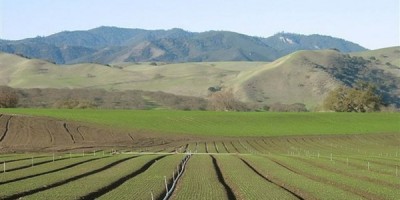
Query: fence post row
[[181, 168]]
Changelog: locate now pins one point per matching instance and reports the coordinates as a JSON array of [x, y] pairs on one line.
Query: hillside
[[291, 79], [301, 77], [307, 76], [115, 45]]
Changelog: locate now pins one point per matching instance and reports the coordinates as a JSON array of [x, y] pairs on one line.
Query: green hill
[[307, 76], [301, 77]]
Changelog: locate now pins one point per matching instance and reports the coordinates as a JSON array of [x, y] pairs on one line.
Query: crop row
[[149, 183], [216, 176], [89, 177], [200, 181], [282, 177], [364, 185], [94, 182]]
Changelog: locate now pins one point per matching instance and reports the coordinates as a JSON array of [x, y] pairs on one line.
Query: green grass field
[[229, 123]]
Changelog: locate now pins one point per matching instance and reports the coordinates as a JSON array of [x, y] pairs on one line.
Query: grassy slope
[[230, 123], [390, 54], [291, 79], [191, 79], [387, 59]]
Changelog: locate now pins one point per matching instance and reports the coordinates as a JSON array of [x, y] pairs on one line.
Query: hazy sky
[[371, 23]]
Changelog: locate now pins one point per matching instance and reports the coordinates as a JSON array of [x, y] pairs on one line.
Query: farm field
[[313, 172], [207, 123], [259, 163]]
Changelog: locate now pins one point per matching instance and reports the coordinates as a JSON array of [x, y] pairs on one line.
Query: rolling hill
[[301, 77], [108, 45]]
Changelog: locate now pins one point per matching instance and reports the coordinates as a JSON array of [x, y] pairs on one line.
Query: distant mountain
[[286, 43], [115, 45]]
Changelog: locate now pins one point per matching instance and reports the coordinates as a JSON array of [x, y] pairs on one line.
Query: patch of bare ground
[[42, 134]]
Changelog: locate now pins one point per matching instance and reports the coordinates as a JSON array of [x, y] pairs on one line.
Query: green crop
[[200, 181], [296, 182], [150, 181], [245, 183], [230, 123], [56, 166], [356, 185], [48, 179], [94, 182]]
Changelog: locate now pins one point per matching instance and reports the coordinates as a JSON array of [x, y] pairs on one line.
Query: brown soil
[[43, 134], [23, 133]]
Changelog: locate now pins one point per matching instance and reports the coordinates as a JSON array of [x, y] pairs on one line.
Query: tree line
[[362, 97]]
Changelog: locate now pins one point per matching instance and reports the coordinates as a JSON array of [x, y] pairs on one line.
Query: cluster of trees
[[224, 100], [361, 98], [74, 104], [280, 107], [8, 97], [100, 98]]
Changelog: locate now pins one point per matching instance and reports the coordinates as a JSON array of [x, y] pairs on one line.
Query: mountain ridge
[[107, 45]]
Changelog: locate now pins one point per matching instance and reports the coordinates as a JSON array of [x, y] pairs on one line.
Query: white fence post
[[166, 185]]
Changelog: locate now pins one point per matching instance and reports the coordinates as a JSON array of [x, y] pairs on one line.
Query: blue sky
[[371, 23]]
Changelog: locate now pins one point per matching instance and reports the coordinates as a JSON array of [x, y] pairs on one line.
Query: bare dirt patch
[[24, 133]]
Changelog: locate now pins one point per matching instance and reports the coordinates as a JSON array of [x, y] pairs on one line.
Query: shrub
[[225, 101], [74, 104], [8, 97], [279, 107]]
